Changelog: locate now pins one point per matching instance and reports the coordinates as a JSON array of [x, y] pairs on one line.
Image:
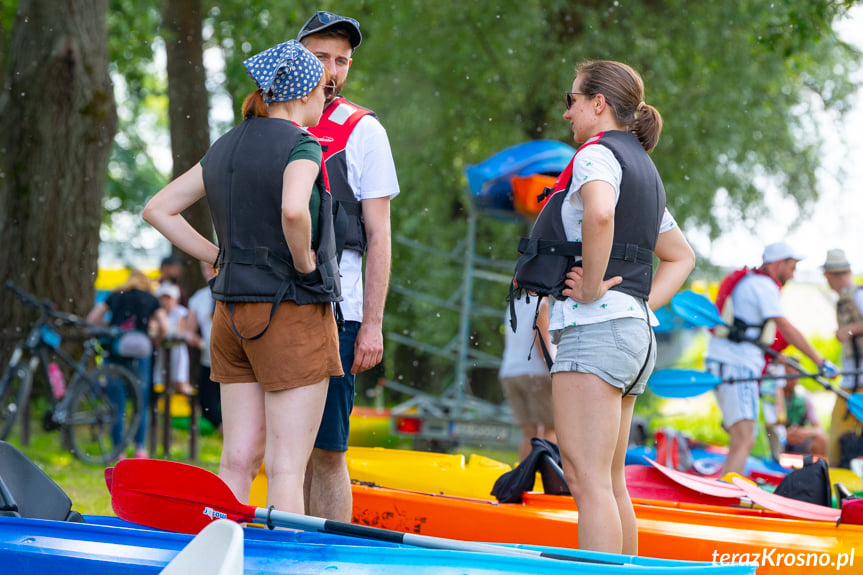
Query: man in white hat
[[740, 354], [849, 318]]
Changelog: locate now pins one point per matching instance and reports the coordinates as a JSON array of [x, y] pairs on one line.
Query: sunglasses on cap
[[322, 20]]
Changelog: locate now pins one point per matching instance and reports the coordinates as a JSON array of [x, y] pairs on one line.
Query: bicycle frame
[[41, 347], [100, 410]]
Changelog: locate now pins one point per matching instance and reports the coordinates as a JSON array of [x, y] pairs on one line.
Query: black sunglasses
[[570, 98]]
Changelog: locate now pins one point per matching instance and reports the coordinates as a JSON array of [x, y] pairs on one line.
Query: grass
[[84, 483]]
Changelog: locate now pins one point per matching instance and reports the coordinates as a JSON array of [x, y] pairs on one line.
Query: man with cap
[[849, 318], [757, 307], [363, 180]]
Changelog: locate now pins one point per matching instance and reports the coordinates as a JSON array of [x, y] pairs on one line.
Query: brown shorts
[[301, 346], [529, 397]]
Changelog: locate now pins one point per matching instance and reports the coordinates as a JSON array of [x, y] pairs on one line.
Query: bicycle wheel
[[102, 414], [14, 393]]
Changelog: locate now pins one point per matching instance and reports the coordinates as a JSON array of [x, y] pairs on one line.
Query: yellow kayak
[[450, 474]]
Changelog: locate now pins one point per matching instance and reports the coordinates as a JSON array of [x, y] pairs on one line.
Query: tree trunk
[[57, 123], [187, 110]]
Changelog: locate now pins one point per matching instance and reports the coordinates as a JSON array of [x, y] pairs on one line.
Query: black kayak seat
[[26, 491]]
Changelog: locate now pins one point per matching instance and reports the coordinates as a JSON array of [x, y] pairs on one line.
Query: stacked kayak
[[665, 530], [698, 527], [506, 181], [106, 545]]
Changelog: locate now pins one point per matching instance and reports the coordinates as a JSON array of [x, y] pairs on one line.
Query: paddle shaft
[[309, 523], [801, 375], [700, 309]]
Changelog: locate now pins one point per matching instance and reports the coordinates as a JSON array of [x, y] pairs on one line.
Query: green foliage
[[737, 83]]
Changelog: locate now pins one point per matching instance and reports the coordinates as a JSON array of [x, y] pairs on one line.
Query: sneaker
[[141, 454]]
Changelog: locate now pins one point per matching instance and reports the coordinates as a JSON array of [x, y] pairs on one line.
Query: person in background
[[199, 327], [133, 306], [757, 307], [171, 271], [796, 426], [613, 205], [174, 351], [274, 342], [524, 372], [363, 180], [849, 318]]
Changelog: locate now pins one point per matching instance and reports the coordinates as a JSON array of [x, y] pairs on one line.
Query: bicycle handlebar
[[48, 308]]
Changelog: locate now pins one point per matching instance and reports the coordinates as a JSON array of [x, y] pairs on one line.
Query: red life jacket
[[727, 285], [333, 130]]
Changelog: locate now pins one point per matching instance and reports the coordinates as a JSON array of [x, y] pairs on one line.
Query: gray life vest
[[243, 174], [547, 256]]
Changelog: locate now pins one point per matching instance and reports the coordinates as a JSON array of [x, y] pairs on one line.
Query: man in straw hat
[[363, 180], [849, 317]]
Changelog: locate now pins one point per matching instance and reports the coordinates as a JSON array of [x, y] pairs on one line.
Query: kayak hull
[[665, 530], [108, 545]]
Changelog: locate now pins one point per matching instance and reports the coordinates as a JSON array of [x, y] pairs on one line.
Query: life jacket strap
[[626, 252]]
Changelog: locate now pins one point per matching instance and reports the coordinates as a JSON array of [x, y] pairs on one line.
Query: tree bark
[[187, 110], [57, 124]]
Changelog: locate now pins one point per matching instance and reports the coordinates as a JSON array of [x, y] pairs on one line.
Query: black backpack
[[810, 483]]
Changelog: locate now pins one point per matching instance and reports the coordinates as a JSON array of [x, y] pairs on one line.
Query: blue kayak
[[106, 545], [489, 181]]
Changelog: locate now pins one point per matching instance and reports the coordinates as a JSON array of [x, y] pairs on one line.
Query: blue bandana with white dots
[[285, 72]]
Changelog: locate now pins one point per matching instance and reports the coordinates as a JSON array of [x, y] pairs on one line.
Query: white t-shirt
[[520, 355], [596, 163], [201, 304], [371, 174], [755, 298]]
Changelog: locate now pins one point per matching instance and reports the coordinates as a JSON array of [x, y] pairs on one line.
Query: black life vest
[[243, 173], [547, 256], [333, 130]]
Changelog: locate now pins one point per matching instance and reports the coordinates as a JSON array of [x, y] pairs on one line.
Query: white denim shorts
[[622, 352], [738, 401]]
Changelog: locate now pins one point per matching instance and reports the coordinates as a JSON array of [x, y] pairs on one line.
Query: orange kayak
[[665, 530]]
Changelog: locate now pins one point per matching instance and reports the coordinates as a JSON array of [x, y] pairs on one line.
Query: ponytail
[[647, 126], [254, 106]]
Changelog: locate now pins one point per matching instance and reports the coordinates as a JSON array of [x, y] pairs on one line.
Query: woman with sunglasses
[[274, 340], [614, 207]]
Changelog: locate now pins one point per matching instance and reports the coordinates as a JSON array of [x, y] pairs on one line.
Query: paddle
[[699, 310], [679, 383], [179, 497]]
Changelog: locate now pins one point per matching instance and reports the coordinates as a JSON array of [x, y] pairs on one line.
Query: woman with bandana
[[274, 341]]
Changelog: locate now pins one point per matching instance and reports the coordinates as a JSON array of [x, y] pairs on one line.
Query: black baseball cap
[[323, 20]]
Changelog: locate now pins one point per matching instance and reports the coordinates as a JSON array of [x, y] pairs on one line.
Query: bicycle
[[100, 410]]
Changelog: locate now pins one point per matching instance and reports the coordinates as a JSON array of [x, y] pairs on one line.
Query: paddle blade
[[173, 496], [696, 309], [678, 383], [855, 405]]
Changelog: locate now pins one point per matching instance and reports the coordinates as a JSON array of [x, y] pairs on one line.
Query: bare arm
[[297, 183], [676, 261], [164, 212], [597, 230], [97, 314], [369, 347], [796, 338]]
